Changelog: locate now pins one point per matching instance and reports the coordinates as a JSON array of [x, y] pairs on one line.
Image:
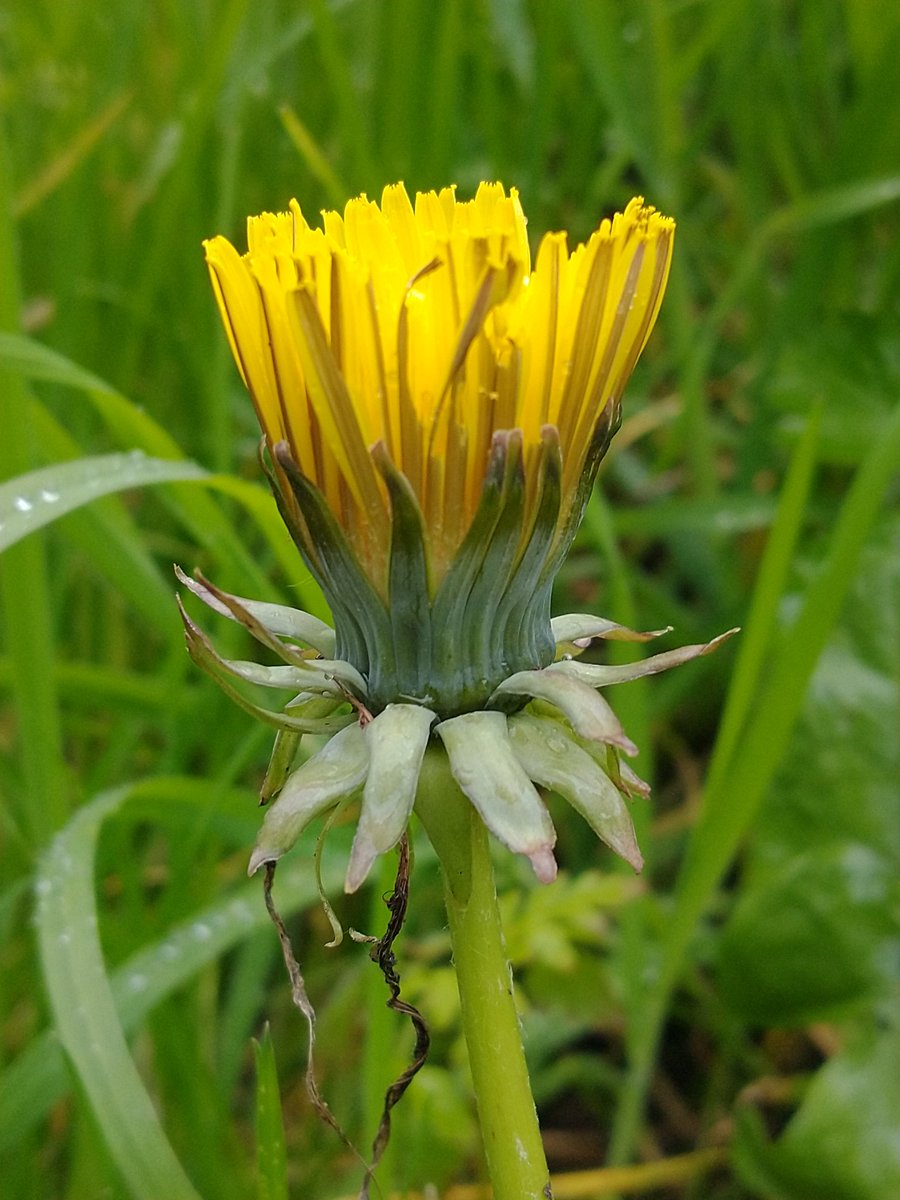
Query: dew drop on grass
[[48, 496], [22, 505]]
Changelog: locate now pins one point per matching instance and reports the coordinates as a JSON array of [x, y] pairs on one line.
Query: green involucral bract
[[396, 741], [550, 756], [490, 615], [489, 773], [336, 771], [545, 727]]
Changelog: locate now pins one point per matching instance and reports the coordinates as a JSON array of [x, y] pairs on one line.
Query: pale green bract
[[540, 730]]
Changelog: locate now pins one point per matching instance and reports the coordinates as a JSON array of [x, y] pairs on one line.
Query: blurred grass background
[[743, 993]]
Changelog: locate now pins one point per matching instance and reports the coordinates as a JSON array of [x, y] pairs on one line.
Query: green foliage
[[843, 1140], [271, 1160], [816, 929], [815, 939], [750, 485]]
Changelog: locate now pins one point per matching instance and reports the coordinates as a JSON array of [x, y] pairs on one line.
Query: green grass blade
[[725, 515], [199, 514], [350, 114], [107, 536], [34, 500], [38, 362], [271, 1156], [763, 615], [85, 1013], [260, 506], [316, 159], [834, 204], [54, 174], [37, 1079], [25, 592], [728, 812], [133, 427], [632, 705]]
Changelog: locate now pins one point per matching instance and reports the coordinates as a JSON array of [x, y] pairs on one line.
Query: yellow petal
[[422, 326]]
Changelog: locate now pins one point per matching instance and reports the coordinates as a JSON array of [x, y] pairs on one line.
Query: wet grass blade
[[34, 500], [85, 1012], [271, 1156]]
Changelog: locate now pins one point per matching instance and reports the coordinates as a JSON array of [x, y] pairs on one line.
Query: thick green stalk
[[512, 1140]]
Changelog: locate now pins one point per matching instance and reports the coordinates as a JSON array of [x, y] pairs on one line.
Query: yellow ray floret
[[426, 329]]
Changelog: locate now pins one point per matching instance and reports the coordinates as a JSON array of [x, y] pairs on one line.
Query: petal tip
[[624, 742], [543, 864], [261, 857], [362, 856]]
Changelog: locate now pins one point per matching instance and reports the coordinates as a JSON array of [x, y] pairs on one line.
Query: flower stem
[[512, 1140]]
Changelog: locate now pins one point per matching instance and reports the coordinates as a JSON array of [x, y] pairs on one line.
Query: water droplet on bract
[[22, 505], [48, 496], [136, 982], [201, 932], [43, 887], [168, 951], [64, 938], [555, 744]]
